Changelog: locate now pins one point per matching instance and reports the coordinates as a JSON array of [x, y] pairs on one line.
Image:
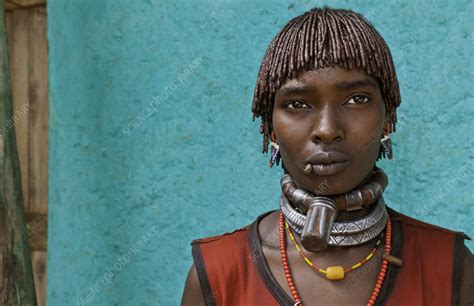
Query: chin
[[328, 185]]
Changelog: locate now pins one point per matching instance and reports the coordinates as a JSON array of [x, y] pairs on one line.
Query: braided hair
[[319, 38]]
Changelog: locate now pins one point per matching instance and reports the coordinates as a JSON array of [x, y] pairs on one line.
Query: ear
[[383, 127], [273, 136], [388, 123]]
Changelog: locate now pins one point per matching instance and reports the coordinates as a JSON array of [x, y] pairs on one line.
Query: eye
[[359, 99], [296, 104]]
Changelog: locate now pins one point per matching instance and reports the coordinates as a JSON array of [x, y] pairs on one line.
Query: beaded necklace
[[289, 278], [332, 272]]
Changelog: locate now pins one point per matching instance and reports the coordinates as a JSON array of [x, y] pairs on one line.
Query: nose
[[327, 127]]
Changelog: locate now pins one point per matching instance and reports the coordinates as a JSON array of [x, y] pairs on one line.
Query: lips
[[328, 163], [329, 157]]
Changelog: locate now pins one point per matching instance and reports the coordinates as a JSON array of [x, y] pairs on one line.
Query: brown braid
[[323, 38]]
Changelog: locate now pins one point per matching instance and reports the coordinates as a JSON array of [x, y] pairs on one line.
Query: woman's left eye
[[359, 99]]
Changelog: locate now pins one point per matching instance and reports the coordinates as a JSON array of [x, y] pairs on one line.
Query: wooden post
[[16, 278]]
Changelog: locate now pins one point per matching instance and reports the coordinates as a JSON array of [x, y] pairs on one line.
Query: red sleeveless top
[[231, 274]]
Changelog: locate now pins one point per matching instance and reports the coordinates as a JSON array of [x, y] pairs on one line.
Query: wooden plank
[[16, 280], [28, 57], [38, 148], [27, 2], [20, 25], [19, 59], [23, 4], [38, 114], [38, 261]]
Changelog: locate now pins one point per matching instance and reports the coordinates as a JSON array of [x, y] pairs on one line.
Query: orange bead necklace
[[289, 278]]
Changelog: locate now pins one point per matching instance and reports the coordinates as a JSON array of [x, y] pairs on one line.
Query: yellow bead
[[335, 273]]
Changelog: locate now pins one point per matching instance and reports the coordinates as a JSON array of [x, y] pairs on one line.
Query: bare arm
[[192, 295], [467, 285]]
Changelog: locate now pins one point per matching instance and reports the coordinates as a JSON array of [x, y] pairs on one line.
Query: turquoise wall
[[152, 143]]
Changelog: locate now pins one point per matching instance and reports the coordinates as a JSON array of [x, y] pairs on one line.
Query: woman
[[327, 94]]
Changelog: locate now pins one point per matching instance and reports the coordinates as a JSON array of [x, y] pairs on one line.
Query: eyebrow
[[301, 88], [295, 89], [356, 83]]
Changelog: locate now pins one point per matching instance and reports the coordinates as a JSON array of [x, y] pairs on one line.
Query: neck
[[313, 216]]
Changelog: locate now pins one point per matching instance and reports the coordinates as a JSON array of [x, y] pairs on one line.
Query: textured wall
[[152, 142]]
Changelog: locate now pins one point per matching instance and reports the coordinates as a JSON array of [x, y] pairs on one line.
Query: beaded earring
[[386, 143], [386, 149], [274, 151]]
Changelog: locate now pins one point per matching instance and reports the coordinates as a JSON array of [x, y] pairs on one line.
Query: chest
[[315, 289]]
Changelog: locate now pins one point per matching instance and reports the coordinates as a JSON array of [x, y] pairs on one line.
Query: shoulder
[[227, 250], [220, 244], [441, 240], [231, 237], [425, 227], [221, 237], [220, 249], [218, 260], [432, 239]]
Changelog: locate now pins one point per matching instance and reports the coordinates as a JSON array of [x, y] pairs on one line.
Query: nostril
[[327, 131], [328, 139]]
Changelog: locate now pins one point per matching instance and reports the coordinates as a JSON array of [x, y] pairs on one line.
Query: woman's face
[[333, 119]]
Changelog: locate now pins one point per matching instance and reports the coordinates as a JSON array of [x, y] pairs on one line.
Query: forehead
[[336, 77]]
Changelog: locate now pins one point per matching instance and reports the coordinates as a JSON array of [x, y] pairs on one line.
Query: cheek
[[365, 137], [282, 123], [289, 132], [289, 146]]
